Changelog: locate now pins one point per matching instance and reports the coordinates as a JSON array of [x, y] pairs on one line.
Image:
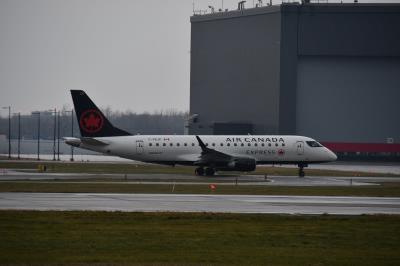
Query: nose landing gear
[[199, 171], [301, 169]]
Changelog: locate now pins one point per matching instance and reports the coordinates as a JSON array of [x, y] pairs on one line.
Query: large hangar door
[[233, 129], [348, 99]]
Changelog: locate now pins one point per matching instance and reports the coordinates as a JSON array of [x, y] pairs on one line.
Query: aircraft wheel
[[210, 171], [301, 170], [301, 173], [199, 171]]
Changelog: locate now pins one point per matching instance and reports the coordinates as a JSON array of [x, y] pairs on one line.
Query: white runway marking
[[200, 203]]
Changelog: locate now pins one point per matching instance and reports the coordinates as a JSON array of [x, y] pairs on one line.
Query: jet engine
[[242, 164]]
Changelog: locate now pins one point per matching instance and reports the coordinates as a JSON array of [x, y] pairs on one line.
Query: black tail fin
[[92, 122]]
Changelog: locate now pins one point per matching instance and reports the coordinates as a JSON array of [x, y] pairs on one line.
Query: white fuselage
[[185, 149]]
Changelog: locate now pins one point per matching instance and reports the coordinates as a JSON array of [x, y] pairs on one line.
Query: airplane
[[208, 153]]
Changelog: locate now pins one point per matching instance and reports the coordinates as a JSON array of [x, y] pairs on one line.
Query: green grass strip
[[115, 238], [383, 190]]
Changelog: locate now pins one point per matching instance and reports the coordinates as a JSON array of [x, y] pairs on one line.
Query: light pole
[[19, 134], [54, 132], [38, 139], [9, 130], [72, 132], [58, 136]]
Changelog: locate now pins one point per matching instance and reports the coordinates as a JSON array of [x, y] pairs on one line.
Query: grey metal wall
[[330, 71], [234, 73], [288, 69], [348, 72], [349, 99], [349, 30]]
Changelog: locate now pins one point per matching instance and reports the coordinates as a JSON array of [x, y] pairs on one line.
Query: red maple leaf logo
[[281, 152], [91, 121]]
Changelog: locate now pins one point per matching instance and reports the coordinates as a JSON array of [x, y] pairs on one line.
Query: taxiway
[[13, 175]]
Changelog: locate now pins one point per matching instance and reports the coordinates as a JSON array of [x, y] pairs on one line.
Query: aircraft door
[[300, 147], [139, 147]]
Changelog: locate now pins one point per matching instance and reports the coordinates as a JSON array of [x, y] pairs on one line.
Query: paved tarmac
[[371, 167], [13, 175], [368, 167], [200, 203]]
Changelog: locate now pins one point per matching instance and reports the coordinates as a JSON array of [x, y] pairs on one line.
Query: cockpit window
[[313, 144]]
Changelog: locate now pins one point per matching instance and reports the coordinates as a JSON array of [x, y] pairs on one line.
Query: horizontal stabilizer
[[94, 142], [76, 142]]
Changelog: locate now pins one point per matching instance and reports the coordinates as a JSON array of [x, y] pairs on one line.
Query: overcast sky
[[126, 54]]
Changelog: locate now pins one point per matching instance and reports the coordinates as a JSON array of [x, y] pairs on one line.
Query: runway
[[200, 203]]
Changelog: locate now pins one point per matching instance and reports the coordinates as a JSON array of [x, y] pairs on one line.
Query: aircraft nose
[[331, 155]]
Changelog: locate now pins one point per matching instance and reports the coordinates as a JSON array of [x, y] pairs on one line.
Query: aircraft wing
[[210, 156]]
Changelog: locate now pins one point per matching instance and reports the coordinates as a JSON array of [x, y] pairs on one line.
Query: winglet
[[201, 143]]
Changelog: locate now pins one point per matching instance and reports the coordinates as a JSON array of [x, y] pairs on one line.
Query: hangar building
[[328, 71]]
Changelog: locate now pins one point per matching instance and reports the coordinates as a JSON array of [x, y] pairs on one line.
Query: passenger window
[[221, 144], [171, 144], [213, 144], [192, 144], [276, 144], [228, 144], [283, 144], [177, 144], [255, 144], [164, 144], [249, 144], [262, 144], [185, 144], [206, 144], [242, 144], [269, 144], [150, 144], [157, 144], [235, 144]]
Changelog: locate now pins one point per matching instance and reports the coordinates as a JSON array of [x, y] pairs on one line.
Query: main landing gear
[[208, 171], [199, 171], [301, 169]]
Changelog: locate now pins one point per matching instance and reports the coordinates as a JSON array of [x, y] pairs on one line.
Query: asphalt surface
[[200, 203], [13, 175], [371, 167]]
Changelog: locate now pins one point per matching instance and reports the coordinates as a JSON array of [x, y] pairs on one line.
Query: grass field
[[129, 168], [114, 238], [383, 190]]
